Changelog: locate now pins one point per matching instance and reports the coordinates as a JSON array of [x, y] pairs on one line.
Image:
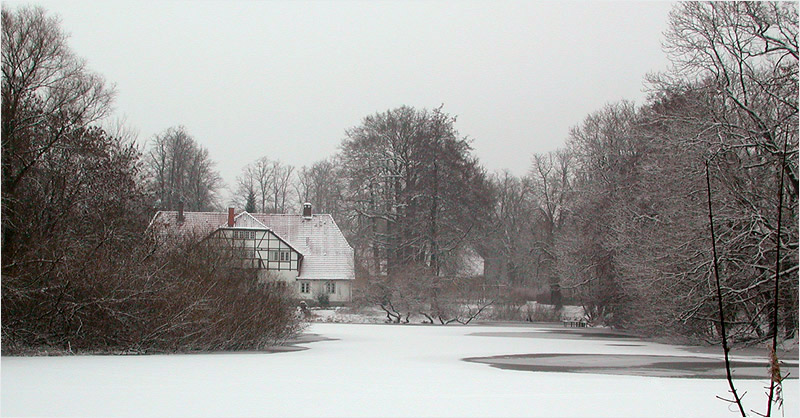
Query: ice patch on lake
[[366, 370]]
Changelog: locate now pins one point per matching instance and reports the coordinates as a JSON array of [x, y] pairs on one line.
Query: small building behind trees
[[305, 252]]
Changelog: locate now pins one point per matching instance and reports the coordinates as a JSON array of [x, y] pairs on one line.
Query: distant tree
[[508, 237], [550, 178], [246, 186], [280, 186], [270, 182], [322, 185], [252, 181], [605, 150], [179, 169], [414, 188], [250, 206]]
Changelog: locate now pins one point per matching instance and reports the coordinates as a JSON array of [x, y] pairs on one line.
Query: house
[[307, 252]]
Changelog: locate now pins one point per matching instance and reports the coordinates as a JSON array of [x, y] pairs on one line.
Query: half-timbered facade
[[306, 252]]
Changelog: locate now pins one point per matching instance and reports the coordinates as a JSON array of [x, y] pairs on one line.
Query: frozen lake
[[380, 370]]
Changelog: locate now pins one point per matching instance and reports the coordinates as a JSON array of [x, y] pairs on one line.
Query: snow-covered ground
[[367, 370]]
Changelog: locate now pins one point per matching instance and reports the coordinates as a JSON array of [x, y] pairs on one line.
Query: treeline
[[79, 274], [617, 221], [635, 244]]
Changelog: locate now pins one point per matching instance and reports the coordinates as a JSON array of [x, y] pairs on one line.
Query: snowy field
[[368, 370]]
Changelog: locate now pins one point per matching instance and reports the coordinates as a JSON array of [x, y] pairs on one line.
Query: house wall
[[277, 261], [286, 276], [262, 249], [343, 290]]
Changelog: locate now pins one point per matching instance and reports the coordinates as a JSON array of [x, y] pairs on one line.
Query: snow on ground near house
[[367, 370]]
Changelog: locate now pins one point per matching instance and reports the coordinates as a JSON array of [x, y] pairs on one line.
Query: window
[[275, 255], [330, 287], [305, 287], [244, 234]]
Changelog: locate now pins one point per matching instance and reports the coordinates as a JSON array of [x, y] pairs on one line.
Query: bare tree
[[247, 185], [745, 54], [509, 237], [321, 184], [270, 181], [550, 178], [47, 94], [180, 169], [605, 149], [413, 186], [743, 60], [280, 186], [261, 170]]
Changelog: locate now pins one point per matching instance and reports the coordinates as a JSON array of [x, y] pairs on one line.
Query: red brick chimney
[[231, 215]]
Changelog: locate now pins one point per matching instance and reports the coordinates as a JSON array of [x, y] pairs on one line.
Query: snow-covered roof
[[326, 253], [197, 223]]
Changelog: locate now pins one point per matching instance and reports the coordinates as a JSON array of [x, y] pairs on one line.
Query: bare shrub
[[441, 300], [145, 298], [211, 303]]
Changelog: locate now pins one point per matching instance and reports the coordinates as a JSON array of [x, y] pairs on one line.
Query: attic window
[[244, 234]]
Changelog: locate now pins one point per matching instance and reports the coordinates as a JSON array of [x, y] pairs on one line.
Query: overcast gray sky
[[285, 79]]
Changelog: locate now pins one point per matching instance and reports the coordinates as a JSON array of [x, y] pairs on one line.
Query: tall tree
[[280, 186], [321, 185], [737, 63], [47, 95], [414, 187], [509, 236], [180, 170], [270, 181], [550, 176], [71, 202], [605, 149], [744, 56]]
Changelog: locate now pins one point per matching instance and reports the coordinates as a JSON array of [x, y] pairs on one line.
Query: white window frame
[[305, 287], [330, 288], [251, 235]]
